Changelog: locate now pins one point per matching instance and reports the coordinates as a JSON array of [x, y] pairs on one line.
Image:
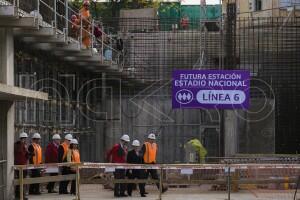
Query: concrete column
[[230, 133], [7, 107], [6, 56], [101, 125]]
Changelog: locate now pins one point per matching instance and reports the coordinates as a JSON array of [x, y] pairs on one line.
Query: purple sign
[[222, 89]]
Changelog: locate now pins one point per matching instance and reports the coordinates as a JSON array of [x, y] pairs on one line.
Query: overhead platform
[[12, 93]]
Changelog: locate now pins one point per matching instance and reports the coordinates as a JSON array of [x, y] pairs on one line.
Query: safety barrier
[[264, 181], [21, 180]]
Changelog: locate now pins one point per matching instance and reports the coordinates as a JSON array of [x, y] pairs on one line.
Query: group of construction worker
[[145, 154], [55, 152], [84, 20]]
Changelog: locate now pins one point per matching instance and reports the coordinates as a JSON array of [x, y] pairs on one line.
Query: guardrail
[[228, 175], [21, 181]]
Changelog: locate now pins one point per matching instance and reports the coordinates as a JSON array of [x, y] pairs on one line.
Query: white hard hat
[[125, 138], [151, 136], [68, 137], [74, 141], [136, 143], [56, 137], [23, 135], [36, 136]]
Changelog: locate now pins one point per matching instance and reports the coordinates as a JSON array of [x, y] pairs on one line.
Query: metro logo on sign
[[223, 89]]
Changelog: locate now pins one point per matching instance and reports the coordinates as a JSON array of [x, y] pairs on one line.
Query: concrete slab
[[72, 47], [96, 192], [8, 11], [58, 39], [41, 32], [12, 93], [82, 53], [24, 22], [43, 46]]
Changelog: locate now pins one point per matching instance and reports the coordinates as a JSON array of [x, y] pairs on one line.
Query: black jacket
[[133, 158], [61, 152]]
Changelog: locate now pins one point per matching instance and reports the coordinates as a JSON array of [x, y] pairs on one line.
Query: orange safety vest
[[150, 153], [66, 148], [37, 158], [75, 156]]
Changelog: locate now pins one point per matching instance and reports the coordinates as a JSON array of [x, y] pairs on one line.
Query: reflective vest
[[66, 148], [75, 156], [37, 158], [150, 153]]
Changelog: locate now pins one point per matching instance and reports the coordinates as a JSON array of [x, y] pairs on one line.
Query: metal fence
[[266, 46]]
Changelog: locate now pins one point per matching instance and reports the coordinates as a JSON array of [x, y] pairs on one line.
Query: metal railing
[[232, 177], [21, 180], [57, 14]]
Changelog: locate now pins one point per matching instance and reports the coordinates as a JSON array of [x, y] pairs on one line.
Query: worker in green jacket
[[197, 145]]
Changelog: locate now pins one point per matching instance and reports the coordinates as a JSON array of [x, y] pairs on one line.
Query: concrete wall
[[154, 112], [251, 132], [245, 132], [153, 55]]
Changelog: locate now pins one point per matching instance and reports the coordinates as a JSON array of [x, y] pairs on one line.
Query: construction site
[[203, 97]]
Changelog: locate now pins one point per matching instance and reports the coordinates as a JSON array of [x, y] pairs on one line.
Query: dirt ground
[[93, 192]]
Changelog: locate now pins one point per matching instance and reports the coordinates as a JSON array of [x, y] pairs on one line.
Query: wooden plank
[[46, 179]]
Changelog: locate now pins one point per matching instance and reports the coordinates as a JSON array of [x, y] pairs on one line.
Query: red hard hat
[[86, 3]]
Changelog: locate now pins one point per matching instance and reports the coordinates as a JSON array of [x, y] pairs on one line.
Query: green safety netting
[[171, 13]]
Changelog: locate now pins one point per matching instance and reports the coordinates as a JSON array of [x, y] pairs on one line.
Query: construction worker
[[184, 22], [86, 23], [35, 157], [62, 157], [75, 26], [73, 156], [199, 148], [149, 152], [134, 157], [21, 156], [118, 155], [51, 156]]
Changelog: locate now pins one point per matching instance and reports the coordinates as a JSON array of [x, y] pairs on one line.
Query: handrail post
[[80, 42], [160, 183], [55, 17], [21, 183], [229, 183], [66, 16], [102, 47], [38, 13], [77, 182], [92, 34]]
